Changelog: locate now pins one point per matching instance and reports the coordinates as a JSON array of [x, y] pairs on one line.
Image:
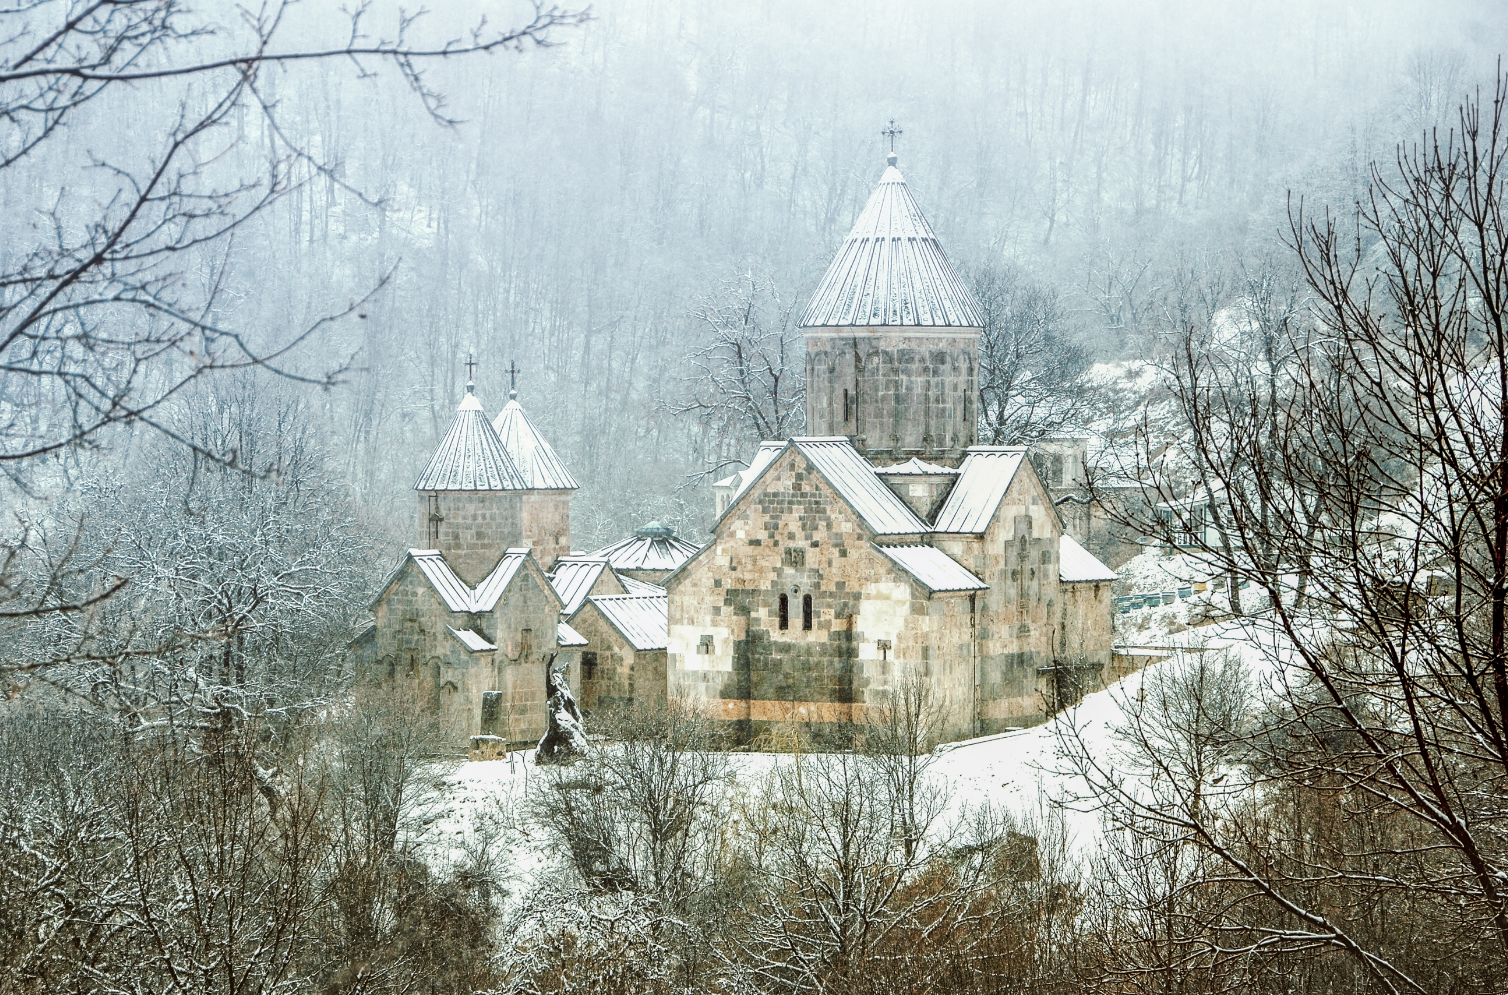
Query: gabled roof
[[640, 587], [473, 642], [1076, 564], [567, 636], [643, 620], [854, 479], [654, 547], [538, 465], [936, 570], [891, 270], [915, 466], [986, 473], [455, 592], [848, 473], [765, 455], [470, 457], [573, 579]]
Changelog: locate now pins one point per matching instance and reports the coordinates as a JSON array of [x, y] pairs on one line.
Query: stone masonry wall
[[546, 525], [474, 528], [411, 642], [793, 536], [526, 623], [1018, 557], [622, 675], [895, 392]]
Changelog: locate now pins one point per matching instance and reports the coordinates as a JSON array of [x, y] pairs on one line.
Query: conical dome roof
[[470, 457], [891, 270], [538, 465]]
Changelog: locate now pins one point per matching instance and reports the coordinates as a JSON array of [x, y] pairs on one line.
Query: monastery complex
[[885, 547]]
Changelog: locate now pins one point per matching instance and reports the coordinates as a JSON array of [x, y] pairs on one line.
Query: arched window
[[785, 612], [806, 611]]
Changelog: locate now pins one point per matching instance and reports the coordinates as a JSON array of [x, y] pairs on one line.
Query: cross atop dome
[[891, 133]]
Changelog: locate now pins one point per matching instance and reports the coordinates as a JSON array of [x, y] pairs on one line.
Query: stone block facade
[[546, 522], [410, 643], [472, 528], [739, 636], [849, 626], [901, 391], [614, 674]]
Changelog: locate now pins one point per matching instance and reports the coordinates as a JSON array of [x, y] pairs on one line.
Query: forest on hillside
[[597, 205], [246, 253]]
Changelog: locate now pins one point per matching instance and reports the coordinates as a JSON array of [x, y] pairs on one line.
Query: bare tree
[[1032, 380], [112, 287], [1377, 478], [746, 382], [864, 888]]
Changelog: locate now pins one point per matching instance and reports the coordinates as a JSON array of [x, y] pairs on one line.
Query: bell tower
[[892, 338], [469, 507]]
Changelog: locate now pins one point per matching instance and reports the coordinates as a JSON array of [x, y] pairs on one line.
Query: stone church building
[[886, 546]]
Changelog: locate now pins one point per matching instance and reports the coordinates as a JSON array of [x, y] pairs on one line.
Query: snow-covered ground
[[476, 807]]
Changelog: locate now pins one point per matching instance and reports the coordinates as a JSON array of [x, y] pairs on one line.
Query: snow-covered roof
[[915, 466], [743, 478], [644, 620], [532, 456], [573, 579], [567, 636], [1077, 565], [455, 592], [640, 587], [653, 547], [854, 479], [987, 472], [848, 473], [935, 569], [891, 270], [473, 642], [470, 457]]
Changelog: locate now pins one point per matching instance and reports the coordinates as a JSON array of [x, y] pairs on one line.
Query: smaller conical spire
[[538, 464]]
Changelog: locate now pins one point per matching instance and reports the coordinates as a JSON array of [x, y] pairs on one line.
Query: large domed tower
[[892, 339]]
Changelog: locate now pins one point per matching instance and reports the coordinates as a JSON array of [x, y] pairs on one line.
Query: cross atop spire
[[470, 369], [513, 382], [891, 133]]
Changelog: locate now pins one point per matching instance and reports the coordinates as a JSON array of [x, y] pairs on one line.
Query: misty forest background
[[597, 198], [236, 301]]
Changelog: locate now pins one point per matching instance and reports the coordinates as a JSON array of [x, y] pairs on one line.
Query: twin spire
[[507, 454]]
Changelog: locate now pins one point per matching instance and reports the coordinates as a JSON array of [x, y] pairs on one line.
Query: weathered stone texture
[[924, 494], [620, 676], [901, 392], [410, 642], [546, 518], [795, 537], [472, 528]]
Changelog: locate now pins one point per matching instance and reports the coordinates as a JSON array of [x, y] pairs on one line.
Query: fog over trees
[[246, 251], [598, 196]]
